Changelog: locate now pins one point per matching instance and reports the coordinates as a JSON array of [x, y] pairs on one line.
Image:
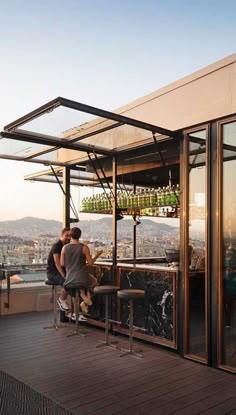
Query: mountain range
[[30, 227]]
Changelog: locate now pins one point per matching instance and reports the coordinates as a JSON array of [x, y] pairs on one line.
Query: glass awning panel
[[20, 148], [77, 178], [68, 125], [26, 150]]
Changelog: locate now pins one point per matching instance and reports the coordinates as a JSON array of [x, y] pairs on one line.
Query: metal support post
[[66, 197], [131, 330], [106, 342], [77, 309]]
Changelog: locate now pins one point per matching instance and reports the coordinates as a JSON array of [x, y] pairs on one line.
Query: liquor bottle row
[[165, 196], [167, 211]]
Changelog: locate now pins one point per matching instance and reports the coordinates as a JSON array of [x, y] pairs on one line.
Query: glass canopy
[[48, 134], [53, 175]]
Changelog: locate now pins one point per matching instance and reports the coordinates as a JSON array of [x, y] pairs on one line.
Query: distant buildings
[[41, 249]]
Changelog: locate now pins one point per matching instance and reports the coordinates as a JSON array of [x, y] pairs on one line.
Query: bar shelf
[[152, 211]]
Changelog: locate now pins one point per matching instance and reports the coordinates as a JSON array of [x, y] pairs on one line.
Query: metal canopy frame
[[13, 131], [46, 176]]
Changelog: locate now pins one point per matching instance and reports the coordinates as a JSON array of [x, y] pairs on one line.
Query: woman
[[73, 257]]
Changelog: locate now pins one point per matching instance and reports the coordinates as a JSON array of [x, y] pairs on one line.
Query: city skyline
[[70, 53]]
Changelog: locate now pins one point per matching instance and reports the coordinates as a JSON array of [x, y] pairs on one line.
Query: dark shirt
[[51, 267]]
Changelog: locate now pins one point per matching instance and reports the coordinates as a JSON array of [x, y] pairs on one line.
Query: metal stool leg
[[131, 328], [106, 341], [77, 330], [55, 325]]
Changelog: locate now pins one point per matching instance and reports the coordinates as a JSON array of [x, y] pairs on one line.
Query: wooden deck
[[97, 381]]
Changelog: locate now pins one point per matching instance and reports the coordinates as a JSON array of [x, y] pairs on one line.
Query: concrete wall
[[27, 299]]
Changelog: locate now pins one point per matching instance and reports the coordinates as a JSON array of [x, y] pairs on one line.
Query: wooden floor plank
[[97, 381]]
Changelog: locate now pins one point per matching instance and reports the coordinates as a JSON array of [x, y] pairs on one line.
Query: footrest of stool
[[136, 328]]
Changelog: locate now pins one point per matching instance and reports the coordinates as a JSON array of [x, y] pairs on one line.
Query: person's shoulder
[[66, 247], [84, 247]]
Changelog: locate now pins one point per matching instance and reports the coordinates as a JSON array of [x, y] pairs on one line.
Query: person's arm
[[88, 257], [58, 262], [62, 258]]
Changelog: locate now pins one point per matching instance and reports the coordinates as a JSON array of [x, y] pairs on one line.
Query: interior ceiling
[[151, 178], [149, 166]]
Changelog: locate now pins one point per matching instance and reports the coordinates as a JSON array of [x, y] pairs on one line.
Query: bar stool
[[131, 295], [106, 290], [54, 296], [77, 331]]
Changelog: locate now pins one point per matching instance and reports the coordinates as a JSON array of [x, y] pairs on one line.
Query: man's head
[[75, 233], [65, 235]]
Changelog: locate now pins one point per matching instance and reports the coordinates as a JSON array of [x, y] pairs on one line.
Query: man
[[55, 272]]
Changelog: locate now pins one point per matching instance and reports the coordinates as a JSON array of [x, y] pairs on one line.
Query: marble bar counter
[[155, 316]]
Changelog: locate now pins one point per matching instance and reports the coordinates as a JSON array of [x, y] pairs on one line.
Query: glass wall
[[195, 281], [228, 271]]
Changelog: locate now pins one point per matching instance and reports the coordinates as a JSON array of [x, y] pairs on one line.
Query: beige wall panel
[[64, 155], [233, 82], [203, 99], [204, 95]]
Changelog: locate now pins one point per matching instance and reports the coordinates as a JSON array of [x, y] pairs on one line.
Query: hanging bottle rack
[[162, 202]]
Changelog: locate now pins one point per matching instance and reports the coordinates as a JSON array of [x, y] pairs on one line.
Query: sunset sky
[[101, 52]]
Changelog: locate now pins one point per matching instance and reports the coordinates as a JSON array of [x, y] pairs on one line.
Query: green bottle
[[167, 196], [152, 201], [83, 205], [159, 197], [135, 200], [172, 196], [177, 194]]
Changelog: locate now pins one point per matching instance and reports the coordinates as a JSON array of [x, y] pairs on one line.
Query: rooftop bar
[[169, 157]]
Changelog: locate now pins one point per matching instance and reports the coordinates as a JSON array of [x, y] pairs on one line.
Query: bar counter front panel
[[155, 316]]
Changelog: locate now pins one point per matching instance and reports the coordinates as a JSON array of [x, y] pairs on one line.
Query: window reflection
[[229, 245], [197, 242]]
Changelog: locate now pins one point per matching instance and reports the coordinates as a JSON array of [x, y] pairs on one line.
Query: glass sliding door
[[196, 246], [227, 246]]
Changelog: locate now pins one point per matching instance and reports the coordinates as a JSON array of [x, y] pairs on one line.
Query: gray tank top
[[75, 265]]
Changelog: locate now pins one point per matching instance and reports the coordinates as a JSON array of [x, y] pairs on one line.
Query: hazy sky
[[101, 52]]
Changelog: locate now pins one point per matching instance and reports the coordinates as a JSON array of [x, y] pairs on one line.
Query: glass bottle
[[135, 199], [167, 196], [172, 196], [177, 194], [83, 205], [152, 198]]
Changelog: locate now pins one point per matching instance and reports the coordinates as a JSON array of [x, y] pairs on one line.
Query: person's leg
[[87, 301], [63, 295], [84, 307], [59, 280], [63, 305], [93, 282], [86, 297]]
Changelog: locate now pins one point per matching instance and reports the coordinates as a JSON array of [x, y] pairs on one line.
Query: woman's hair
[[75, 233]]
